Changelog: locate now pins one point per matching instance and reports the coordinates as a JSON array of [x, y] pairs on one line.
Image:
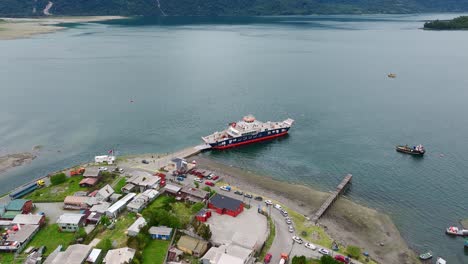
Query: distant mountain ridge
[[224, 7]]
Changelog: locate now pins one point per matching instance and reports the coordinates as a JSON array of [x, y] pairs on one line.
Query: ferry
[[246, 131], [416, 150]]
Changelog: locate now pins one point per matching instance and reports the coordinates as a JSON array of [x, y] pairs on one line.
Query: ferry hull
[[235, 142]]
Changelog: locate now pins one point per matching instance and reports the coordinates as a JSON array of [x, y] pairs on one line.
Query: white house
[[142, 200], [119, 206], [135, 228], [70, 222], [105, 158]]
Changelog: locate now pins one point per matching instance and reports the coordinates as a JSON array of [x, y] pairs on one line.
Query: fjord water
[[157, 85]]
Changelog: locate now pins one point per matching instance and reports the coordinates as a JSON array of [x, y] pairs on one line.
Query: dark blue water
[[71, 92]]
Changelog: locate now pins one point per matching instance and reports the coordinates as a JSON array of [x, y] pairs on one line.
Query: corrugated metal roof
[[160, 230], [16, 205], [27, 219], [70, 219], [122, 202]]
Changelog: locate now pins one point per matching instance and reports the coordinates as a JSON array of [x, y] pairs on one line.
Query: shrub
[[325, 259], [299, 260], [353, 251], [58, 178], [105, 244], [197, 185], [197, 207]]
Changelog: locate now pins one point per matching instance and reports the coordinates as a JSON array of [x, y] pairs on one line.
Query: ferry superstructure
[[246, 131]]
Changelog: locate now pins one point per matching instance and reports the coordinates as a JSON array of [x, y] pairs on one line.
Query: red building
[[203, 215], [226, 205]]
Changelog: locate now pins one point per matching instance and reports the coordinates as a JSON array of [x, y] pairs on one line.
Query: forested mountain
[[454, 24], [224, 7]]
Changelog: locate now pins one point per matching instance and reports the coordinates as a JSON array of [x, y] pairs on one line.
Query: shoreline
[[16, 28], [346, 222]]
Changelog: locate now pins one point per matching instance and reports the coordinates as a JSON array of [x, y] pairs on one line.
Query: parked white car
[[268, 202], [291, 229], [225, 188], [310, 246], [324, 251], [103, 168], [198, 180], [297, 239], [277, 206]]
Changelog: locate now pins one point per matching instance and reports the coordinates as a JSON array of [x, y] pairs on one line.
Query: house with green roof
[[16, 207]]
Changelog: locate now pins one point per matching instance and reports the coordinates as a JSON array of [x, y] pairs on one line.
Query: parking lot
[[52, 210]]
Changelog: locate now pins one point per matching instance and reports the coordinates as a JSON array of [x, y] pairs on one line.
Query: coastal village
[[164, 209]]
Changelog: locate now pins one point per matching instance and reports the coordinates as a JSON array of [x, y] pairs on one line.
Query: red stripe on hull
[[252, 141]]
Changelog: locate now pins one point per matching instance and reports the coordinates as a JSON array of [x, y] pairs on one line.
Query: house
[[129, 187], [94, 255], [88, 182], [104, 159], [119, 256], [226, 205], [70, 222], [143, 180], [22, 205], [100, 207], [92, 172], [160, 232], [93, 218], [192, 246], [174, 254], [203, 215], [232, 254], [115, 197], [135, 228], [192, 194], [181, 165], [28, 219], [75, 254], [119, 206], [17, 238], [141, 200], [172, 189], [75, 202], [104, 193]]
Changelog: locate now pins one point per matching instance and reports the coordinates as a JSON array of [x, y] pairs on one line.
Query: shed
[[160, 232], [203, 215], [135, 228], [226, 205], [192, 246], [88, 182]]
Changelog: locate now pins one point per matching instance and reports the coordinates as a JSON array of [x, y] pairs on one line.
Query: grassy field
[[155, 252], [121, 183], [315, 234], [6, 257], [269, 240], [51, 237], [158, 203], [58, 192], [118, 235]]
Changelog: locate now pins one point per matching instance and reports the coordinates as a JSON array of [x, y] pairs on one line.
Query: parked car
[[268, 202], [121, 170], [277, 206], [198, 180], [180, 178], [288, 221], [324, 251], [247, 195], [267, 258], [102, 168], [297, 239], [310, 246], [214, 178], [144, 162], [291, 229], [284, 212], [238, 192], [209, 183], [342, 259], [258, 198], [210, 176], [226, 188]]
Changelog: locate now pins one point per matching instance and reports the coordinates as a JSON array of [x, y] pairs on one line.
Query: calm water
[[70, 92]]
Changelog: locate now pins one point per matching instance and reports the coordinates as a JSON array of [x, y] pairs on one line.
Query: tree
[[325, 259], [353, 251], [204, 231], [58, 178], [299, 260], [197, 185]]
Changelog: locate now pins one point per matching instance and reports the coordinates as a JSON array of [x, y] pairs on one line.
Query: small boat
[[455, 231], [391, 75], [425, 256], [415, 150], [441, 261]]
